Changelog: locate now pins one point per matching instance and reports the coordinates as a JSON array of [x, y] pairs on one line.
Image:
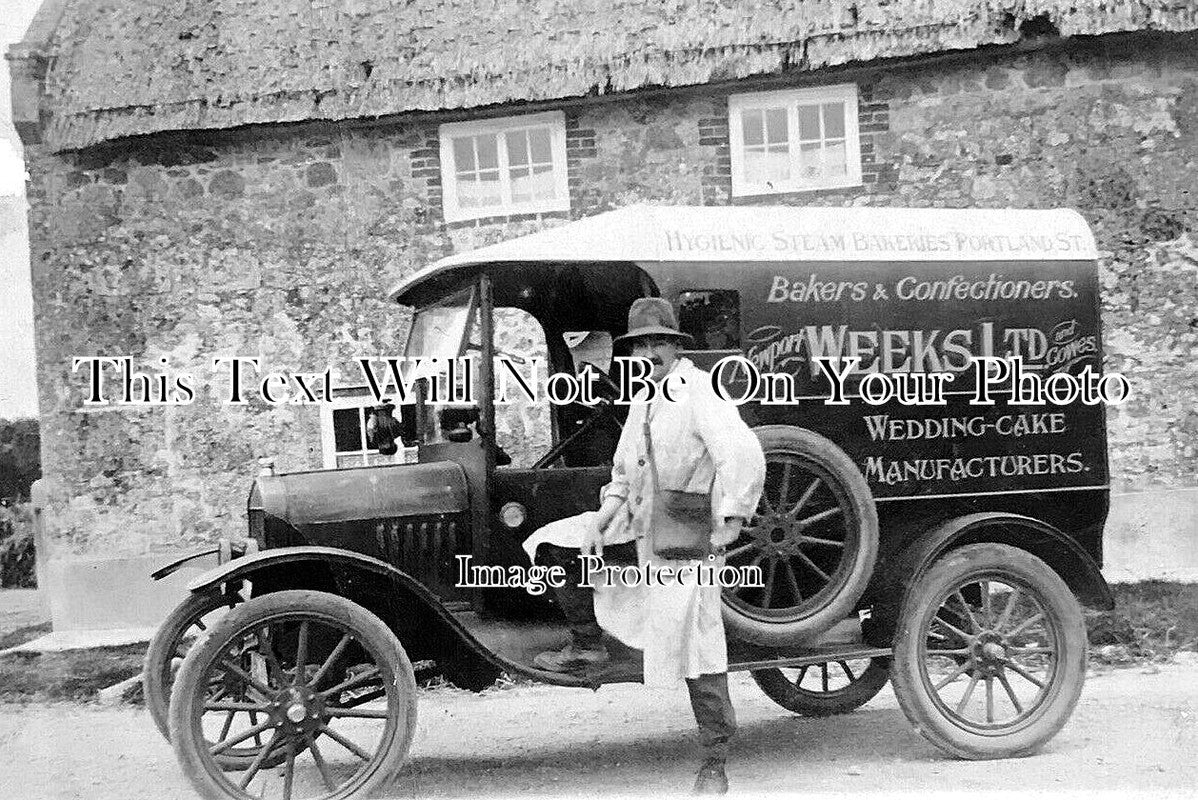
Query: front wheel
[[990, 653], [331, 687]]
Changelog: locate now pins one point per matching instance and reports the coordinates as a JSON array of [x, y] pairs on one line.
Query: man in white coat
[[699, 443]]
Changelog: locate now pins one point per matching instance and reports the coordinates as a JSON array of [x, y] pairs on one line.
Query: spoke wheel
[[322, 688], [990, 655], [822, 690], [190, 620], [814, 537]]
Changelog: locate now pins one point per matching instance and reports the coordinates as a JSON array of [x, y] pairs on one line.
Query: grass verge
[[22, 635], [1152, 620], [76, 675]]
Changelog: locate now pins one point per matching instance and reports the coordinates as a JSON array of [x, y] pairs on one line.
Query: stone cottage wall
[[281, 241]]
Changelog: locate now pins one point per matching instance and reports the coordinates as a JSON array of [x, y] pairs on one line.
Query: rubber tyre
[[858, 502], [367, 628], [1064, 613], [156, 675], [824, 704]]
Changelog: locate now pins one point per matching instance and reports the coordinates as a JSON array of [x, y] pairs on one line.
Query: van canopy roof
[[670, 234]]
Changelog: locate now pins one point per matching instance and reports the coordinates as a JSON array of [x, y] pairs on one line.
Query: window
[[711, 317], [343, 432], [794, 140], [514, 165], [523, 429]]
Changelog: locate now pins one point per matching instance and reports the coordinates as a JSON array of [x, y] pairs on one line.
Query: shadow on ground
[[612, 763]]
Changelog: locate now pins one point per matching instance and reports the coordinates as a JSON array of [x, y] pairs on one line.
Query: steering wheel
[[607, 391]]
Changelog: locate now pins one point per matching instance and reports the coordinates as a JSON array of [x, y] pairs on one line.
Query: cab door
[[563, 457]]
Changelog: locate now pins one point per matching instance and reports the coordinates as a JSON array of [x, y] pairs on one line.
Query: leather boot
[[711, 778]]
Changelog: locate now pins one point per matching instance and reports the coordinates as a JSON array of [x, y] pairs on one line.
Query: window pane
[[810, 160], [809, 122], [347, 430], [517, 148], [754, 161], [777, 165], [463, 154], [538, 186], [438, 329], [490, 193], [772, 166], [541, 146], [488, 151], [775, 123], [479, 190], [751, 122], [543, 185], [467, 191], [834, 120], [835, 159]]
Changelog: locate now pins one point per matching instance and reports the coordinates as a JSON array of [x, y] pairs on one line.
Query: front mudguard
[[425, 627], [224, 551]]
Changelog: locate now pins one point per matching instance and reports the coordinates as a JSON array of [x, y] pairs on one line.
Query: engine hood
[[343, 495]]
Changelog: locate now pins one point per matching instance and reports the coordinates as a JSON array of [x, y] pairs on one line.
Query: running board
[[741, 657], [516, 644]]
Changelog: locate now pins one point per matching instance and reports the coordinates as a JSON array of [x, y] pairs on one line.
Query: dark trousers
[[709, 693], [578, 602]]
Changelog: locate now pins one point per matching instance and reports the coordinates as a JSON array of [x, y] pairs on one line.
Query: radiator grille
[[425, 548]]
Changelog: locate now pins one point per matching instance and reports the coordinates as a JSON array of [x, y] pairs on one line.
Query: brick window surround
[[504, 166], [794, 140]]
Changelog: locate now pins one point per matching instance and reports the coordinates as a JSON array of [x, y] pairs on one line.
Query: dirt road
[[1133, 733]]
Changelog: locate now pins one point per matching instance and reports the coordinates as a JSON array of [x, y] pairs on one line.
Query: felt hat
[[652, 316]]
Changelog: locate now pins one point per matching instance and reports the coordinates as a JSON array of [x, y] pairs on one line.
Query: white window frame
[[792, 98], [554, 120], [328, 439]]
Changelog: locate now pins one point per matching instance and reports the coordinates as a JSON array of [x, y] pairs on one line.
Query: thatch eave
[[213, 79]]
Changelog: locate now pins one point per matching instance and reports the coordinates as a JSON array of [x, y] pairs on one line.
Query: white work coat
[[680, 628]]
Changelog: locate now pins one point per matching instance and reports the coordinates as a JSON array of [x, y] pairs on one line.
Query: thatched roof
[[123, 67]]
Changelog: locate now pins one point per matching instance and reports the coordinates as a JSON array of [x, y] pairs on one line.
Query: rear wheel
[[814, 537], [990, 654], [333, 689], [823, 690], [178, 632]]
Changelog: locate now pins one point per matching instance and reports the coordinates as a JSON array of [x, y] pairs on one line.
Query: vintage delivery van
[[947, 545]]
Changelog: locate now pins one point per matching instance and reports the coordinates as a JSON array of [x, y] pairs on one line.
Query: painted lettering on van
[[814, 290], [771, 349], [878, 350], [887, 472]]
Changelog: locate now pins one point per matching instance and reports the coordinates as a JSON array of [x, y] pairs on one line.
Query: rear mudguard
[[1065, 556], [297, 558]]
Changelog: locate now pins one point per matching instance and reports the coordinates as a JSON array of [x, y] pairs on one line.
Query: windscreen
[[439, 330]]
